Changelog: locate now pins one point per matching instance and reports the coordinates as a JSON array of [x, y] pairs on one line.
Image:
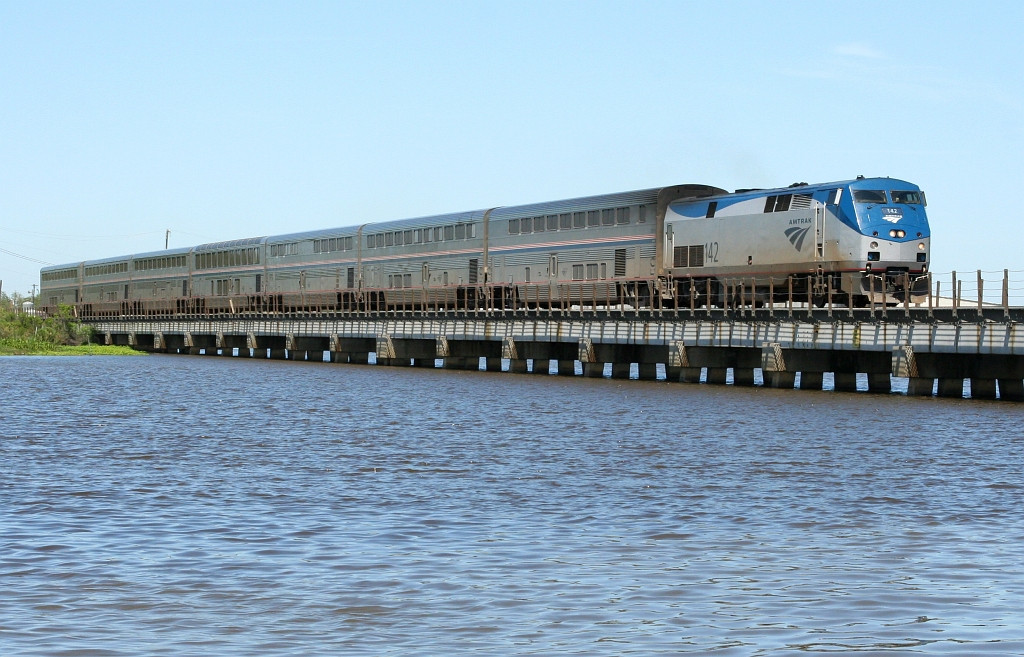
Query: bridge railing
[[989, 287]]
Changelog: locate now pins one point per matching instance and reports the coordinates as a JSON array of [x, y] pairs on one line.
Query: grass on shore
[[23, 347]]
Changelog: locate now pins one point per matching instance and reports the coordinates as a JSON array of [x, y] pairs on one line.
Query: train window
[[604, 270], [552, 221], [399, 238], [437, 234], [607, 217], [428, 235], [712, 208], [449, 232], [577, 272], [371, 241], [591, 271], [513, 226], [777, 203], [622, 216], [579, 219], [408, 237], [471, 231], [869, 196], [389, 239], [907, 197], [641, 216], [460, 231], [834, 196], [565, 221], [526, 224], [593, 218]]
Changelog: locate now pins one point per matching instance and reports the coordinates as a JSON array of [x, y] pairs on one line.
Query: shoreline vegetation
[[29, 334]]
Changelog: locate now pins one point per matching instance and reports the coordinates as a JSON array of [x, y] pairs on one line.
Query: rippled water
[[175, 505]]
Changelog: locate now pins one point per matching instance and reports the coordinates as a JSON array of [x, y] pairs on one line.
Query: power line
[[24, 257]]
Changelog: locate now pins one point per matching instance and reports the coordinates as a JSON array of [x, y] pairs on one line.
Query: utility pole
[[167, 238]]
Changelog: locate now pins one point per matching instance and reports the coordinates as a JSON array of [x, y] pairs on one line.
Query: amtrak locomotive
[[856, 242]]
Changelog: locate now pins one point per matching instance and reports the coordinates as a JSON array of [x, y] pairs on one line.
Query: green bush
[[29, 333]]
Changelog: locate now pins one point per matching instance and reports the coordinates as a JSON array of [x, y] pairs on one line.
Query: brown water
[[174, 505]]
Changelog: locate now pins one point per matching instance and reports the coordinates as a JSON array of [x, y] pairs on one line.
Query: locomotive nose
[[892, 222]]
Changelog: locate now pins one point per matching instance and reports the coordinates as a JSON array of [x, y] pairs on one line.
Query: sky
[[125, 126]]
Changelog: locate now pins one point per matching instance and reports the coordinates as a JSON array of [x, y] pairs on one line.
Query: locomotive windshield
[[869, 195], [908, 197]]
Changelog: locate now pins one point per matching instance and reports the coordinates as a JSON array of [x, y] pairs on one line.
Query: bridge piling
[[1011, 389]]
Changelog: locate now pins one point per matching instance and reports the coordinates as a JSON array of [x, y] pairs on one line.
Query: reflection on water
[[175, 505]]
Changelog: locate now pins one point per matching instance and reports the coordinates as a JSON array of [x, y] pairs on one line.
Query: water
[[174, 505]]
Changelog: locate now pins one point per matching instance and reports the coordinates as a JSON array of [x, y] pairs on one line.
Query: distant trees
[[12, 301]]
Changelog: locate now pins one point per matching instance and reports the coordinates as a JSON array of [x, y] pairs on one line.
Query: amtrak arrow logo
[[797, 235]]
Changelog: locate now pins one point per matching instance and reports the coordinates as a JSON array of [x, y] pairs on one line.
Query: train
[[854, 242]]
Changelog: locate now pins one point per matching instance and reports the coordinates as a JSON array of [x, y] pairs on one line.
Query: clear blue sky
[[222, 120]]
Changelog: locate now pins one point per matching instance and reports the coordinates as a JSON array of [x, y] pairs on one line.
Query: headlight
[[897, 233], [920, 246], [874, 245]]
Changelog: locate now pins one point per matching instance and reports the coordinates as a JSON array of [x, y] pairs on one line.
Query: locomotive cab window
[[869, 196], [907, 197]]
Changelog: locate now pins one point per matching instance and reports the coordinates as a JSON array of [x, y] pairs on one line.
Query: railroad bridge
[[935, 349]]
